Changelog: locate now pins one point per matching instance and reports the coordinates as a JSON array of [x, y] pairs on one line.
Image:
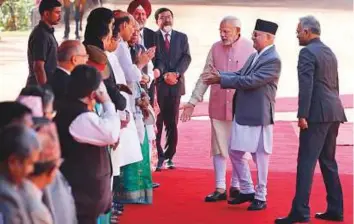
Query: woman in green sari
[[136, 186]]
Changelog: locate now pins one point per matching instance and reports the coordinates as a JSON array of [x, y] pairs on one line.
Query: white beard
[[167, 29]]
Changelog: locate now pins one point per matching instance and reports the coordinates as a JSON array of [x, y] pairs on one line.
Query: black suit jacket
[[149, 38], [59, 82], [177, 59], [318, 84]]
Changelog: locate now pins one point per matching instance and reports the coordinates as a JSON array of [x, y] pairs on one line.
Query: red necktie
[[167, 42]]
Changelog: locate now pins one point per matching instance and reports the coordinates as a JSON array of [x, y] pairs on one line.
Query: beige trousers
[[220, 134]]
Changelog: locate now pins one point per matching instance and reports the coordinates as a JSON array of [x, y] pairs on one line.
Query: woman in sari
[[136, 177], [136, 183]]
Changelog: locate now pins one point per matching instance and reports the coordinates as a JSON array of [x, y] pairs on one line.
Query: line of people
[[100, 94]]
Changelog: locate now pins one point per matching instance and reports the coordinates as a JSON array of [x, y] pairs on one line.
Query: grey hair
[[17, 140], [68, 49], [233, 19], [311, 23]]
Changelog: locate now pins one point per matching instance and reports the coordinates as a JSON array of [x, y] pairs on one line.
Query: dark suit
[[149, 37], [177, 59], [149, 41], [59, 83], [320, 105]]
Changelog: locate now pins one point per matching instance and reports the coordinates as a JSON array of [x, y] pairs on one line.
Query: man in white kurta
[[128, 150], [228, 54], [252, 128]]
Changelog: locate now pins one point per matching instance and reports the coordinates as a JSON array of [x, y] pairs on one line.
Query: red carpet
[[180, 198], [283, 104]]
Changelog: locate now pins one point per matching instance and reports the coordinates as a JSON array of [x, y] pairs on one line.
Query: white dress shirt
[[131, 72], [141, 39], [97, 130], [64, 70], [260, 53], [164, 35]]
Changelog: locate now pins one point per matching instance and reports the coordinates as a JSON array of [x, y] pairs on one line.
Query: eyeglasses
[[50, 114], [255, 35], [165, 17], [83, 55]]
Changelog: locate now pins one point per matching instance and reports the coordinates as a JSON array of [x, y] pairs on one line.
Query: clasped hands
[[171, 78]]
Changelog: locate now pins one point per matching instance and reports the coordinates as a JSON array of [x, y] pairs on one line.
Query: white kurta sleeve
[[131, 71], [150, 68], [200, 87], [100, 131]]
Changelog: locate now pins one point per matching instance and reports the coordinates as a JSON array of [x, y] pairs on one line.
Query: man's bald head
[[125, 22], [68, 49], [71, 53]]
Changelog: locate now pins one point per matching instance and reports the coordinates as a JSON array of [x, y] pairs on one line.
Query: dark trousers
[[318, 142], [86, 219], [67, 15], [168, 116], [151, 92]]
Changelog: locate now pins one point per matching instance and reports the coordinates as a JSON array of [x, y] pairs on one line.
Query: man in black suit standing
[[141, 11], [320, 114], [171, 62], [70, 54]]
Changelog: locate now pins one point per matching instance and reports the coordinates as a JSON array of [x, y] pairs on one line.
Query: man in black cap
[[42, 45], [320, 114], [252, 127]]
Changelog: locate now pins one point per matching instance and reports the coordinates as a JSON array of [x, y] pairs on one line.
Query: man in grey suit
[[19, 150], [252, 127], [320, 113]]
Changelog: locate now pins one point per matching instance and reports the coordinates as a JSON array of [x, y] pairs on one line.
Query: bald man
[[70, 54]]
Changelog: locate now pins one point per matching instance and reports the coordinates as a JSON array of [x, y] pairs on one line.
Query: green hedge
[[15, 15]]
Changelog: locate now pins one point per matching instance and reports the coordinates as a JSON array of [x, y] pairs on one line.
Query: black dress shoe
[[330, 216], [170, 165], [241, 198], [234, 192], [216, 196], [155, 185], [159, 165], [257, 205], [290, 220]]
